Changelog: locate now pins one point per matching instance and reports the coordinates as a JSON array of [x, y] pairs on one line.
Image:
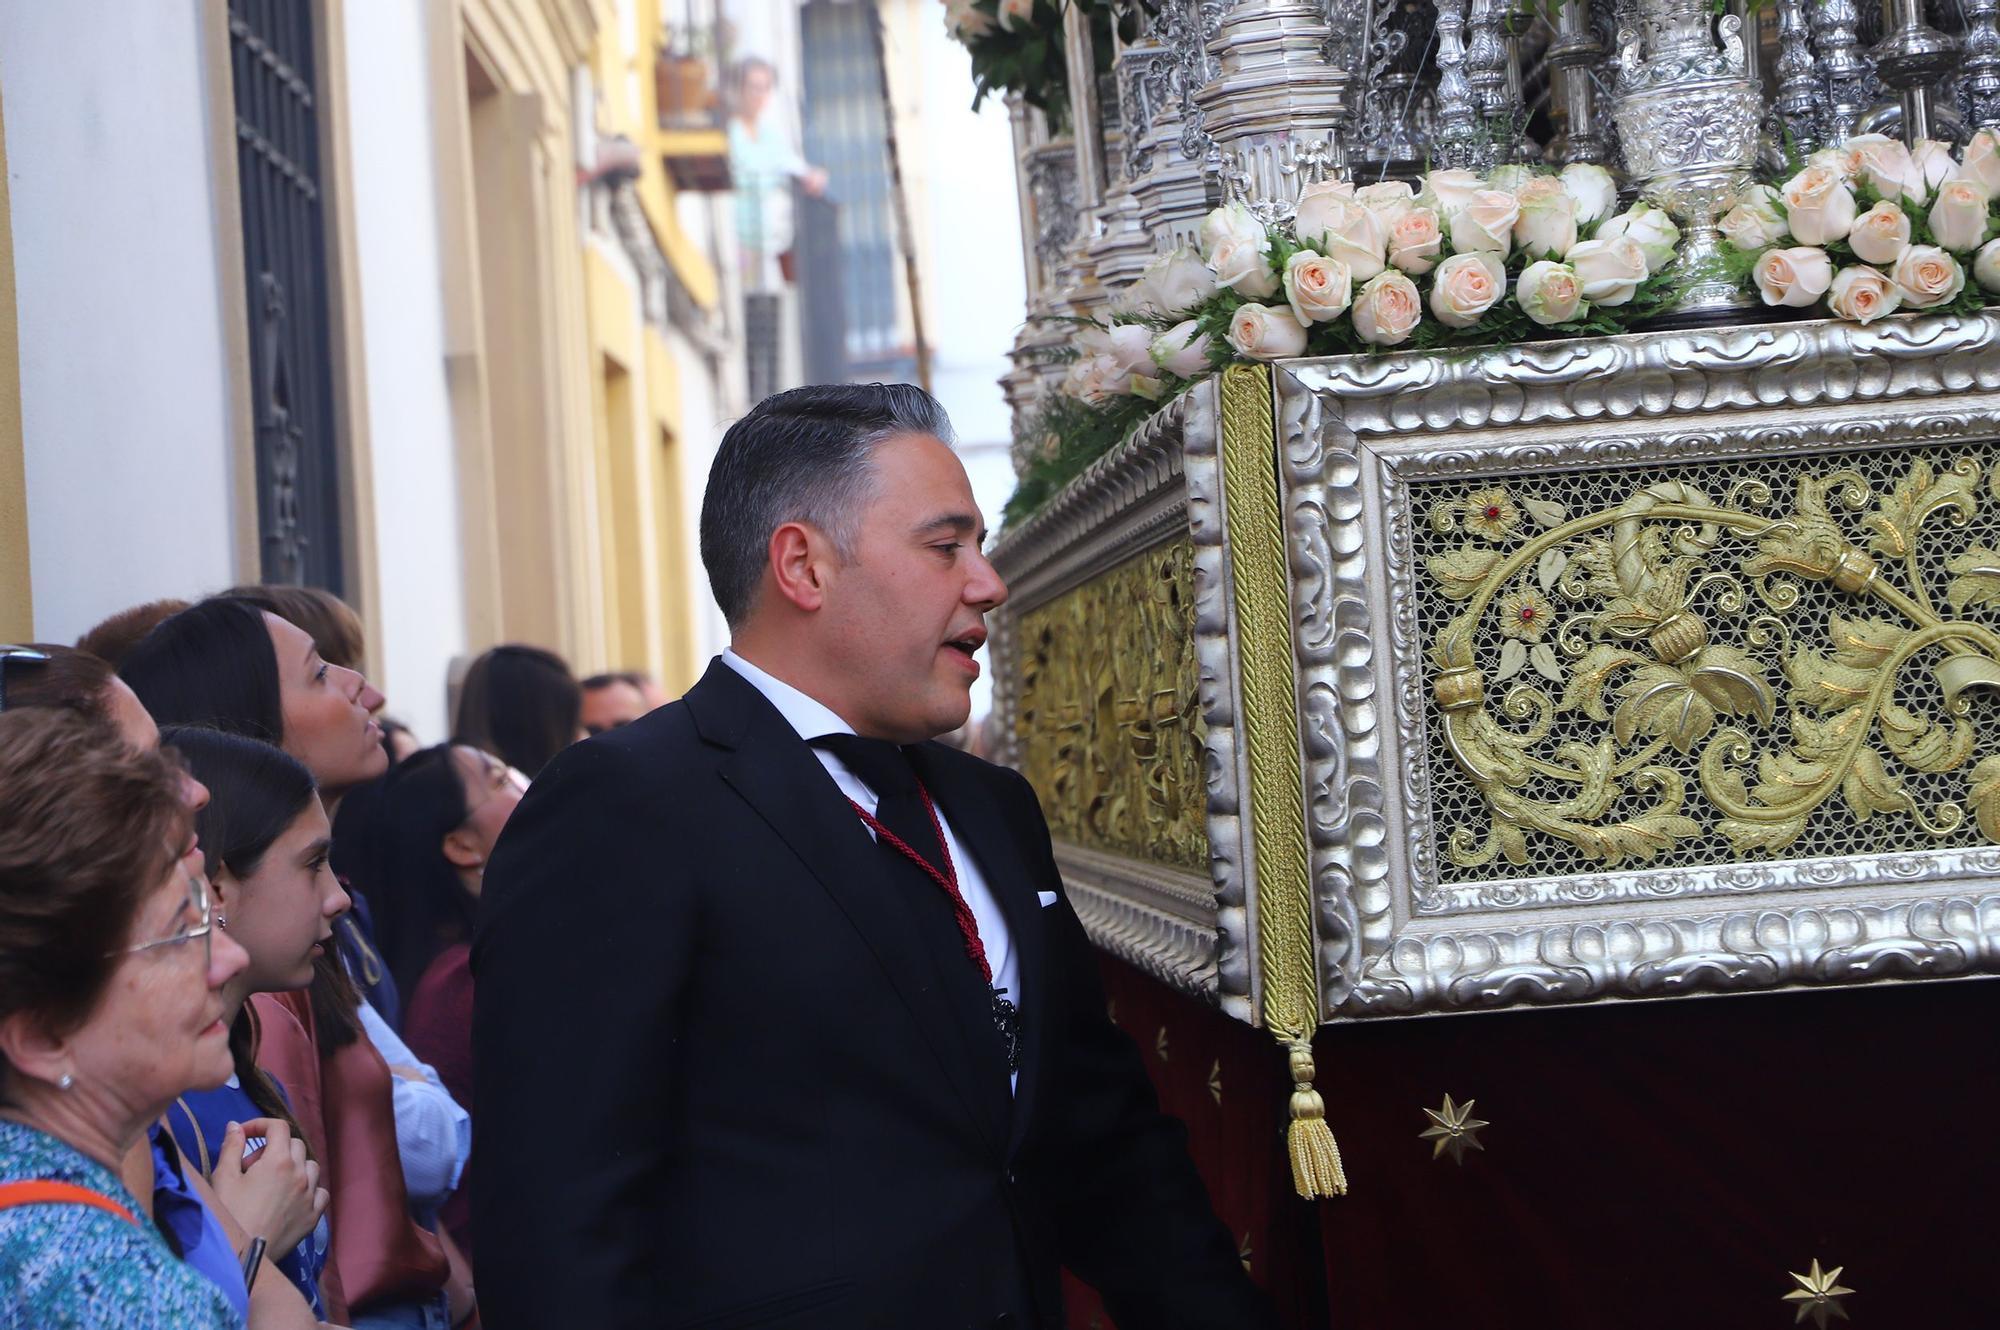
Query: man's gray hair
[[806, 455]]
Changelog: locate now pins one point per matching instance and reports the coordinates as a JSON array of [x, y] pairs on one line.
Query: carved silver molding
[[1146, 490], [1356, 433]]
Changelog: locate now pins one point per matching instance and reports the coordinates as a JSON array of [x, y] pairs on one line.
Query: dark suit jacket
[[716, 1088]]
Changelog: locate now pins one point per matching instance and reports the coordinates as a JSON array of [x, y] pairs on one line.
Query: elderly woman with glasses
[[111, 997]]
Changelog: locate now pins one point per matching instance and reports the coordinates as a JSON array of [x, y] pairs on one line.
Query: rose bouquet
[[1463, 261], [1871, 226]]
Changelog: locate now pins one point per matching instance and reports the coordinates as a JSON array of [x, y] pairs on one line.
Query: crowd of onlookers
[[235, 991]]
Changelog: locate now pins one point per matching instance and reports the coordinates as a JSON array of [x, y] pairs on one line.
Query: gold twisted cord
[[1254, 527]]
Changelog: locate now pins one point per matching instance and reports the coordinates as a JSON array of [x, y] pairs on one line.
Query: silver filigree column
[[1797, 112], [1979, 90], [1392, 142], [1911, 60], [1688, 118], [1848, 76], [1276, 106], [1153, 72], [1570, 58], [1456, 143], [1486, 74]]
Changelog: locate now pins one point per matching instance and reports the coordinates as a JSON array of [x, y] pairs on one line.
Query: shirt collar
[[809, 717]]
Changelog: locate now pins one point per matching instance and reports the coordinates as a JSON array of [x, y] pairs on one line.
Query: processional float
[[1552, 671]]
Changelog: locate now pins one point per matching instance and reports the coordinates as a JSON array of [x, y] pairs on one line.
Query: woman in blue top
[[111, 998], [265, 839]]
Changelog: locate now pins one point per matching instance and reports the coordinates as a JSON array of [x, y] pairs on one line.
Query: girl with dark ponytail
[[264, 838]]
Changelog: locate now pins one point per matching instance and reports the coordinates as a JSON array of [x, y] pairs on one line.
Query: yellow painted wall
[[17, 605]]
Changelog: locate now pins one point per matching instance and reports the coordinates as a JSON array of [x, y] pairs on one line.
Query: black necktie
[[887, 769]]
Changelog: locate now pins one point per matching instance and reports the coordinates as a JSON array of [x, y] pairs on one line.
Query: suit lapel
[[976, 817], [778, 776]]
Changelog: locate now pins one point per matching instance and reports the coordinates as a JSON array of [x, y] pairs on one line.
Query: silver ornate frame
[[1355, 432], [1190, 933]]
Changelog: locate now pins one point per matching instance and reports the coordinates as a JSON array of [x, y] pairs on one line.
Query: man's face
[[616, 703], [902, 618]]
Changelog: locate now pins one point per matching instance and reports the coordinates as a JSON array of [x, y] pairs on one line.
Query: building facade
[[363, 296]]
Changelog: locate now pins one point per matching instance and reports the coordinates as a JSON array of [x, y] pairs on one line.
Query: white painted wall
[[975, 289], [124, 386], [419, 557]]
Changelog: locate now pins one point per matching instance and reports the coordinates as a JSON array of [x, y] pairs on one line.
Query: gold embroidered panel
[[1774, 659], [1108, 718]]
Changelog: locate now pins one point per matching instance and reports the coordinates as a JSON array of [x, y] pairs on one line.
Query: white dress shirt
[[812, 719]]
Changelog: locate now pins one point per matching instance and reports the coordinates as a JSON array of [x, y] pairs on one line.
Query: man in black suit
[[783, 1017]]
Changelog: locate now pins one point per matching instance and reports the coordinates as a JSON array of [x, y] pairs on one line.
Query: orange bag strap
[[59, 1193]]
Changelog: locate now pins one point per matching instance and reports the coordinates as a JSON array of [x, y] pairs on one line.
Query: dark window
[[284, 261]]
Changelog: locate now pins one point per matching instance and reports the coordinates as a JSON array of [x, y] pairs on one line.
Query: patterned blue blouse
[[75, 1267]]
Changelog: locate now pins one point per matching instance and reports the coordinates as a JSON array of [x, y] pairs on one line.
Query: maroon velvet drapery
[[1649, 1164]]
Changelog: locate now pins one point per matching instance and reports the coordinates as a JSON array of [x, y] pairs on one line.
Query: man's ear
[[32, 1049], [797, 557], [461, 850]]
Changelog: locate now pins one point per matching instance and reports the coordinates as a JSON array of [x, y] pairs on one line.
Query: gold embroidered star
[[1453, 1128], [1818, 1295]]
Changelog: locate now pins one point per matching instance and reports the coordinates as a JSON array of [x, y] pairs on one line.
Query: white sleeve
[[433, 1134]]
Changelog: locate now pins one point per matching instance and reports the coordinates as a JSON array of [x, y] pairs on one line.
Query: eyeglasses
[[204, 928], [9, 654], [499, 777]]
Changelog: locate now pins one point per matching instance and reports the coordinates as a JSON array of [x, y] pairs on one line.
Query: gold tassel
[[1316, 1166]]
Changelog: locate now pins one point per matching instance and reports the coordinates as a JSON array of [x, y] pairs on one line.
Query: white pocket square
[[1047, 898]]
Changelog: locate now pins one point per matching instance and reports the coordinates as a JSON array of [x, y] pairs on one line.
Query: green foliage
[[1031, 58], [1067, 437]]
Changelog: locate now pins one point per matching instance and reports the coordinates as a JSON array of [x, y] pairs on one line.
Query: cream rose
[[1449, 190], [1485, 223], [1881, 234], [1887, 166], [1416, 241], [1466, 286], [1510, 178], [1354, 236], [1982, 160], [1594, 189], [1550, 293], [1096, 379], [1927, 276], [1130, 346], [965, 21], [1547, 224], [1245, 268], [1387, 199], [1319, 204], [1232, 221], [1610, 270], [1316, 287], [1958, 218], [1757, 221], [1264, 333], [1013, 13], [1934, 162], [1183, 350], [1387, 309], [1796, 277], [1648, 227], [1862, 295], [1819, 208], [1986, 266], [1174, 282], [1842, 163]]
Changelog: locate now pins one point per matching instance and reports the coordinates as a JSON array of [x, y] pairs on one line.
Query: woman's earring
[[221, 921], [65, 1081]]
